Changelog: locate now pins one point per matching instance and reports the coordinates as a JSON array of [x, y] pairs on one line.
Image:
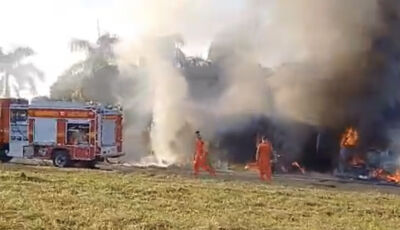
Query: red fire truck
[[64, 132]]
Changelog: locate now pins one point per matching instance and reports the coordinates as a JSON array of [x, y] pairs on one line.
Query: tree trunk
[[7, 85]]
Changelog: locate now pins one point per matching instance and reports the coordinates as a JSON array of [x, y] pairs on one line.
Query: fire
[[356, 161], [395, 178], [297, 165], [251, 166], [349, 138], [378, 174], [383, 175]]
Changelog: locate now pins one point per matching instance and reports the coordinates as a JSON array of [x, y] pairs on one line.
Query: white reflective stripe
[[76, 121]]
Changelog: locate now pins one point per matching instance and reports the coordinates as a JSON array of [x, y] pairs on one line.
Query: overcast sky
[[48, 25]]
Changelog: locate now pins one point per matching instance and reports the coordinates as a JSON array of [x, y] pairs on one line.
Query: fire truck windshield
[[77, 134]]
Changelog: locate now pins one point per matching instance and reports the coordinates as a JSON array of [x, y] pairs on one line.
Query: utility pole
[[318, 142], [98, 29]]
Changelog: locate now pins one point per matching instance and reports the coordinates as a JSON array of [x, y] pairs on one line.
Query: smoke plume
[[280, 68]]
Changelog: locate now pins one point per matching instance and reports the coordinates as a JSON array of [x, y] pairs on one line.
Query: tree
[[96, 69], [97, 55], [12, 65]]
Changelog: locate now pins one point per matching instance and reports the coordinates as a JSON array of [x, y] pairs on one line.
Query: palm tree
[[170, 48], [12, 65], [99, 56]]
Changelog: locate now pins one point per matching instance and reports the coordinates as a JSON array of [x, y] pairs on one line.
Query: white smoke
[[324, 38], [158, 97], [170, 91], [329, 42]]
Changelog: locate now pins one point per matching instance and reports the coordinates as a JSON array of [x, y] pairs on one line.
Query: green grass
[[48, 198]]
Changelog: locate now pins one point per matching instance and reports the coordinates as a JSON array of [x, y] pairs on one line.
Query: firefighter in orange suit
[[200, 157], [264, 151]]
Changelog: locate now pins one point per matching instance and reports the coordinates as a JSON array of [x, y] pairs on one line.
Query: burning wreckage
[[322, 148], [370, 164], [353, 162]]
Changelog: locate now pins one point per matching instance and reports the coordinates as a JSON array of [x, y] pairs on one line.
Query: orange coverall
[[264, 151], [200, 159]]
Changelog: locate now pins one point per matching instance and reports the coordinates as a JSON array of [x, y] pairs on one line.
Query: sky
[[48, 26]]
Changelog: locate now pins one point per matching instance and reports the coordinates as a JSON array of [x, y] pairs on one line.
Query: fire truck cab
[[64, 132]]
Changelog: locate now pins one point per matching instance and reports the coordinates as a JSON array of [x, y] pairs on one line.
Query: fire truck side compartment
[[64, 126], [13, 128], [45, 131], [18, 129]]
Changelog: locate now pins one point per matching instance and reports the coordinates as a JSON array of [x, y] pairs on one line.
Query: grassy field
[[49, 198]]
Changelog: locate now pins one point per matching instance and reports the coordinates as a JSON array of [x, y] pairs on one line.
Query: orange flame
[[378, 174], [297, 165], [253, 166], [349, 138], [383, 175], [356, 161], [395, 178]]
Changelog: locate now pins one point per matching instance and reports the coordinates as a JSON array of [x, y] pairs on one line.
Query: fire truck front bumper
[[110, 152]]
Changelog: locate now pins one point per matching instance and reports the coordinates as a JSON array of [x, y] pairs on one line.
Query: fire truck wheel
[[91, 164], [61, 159], [4, 157]]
